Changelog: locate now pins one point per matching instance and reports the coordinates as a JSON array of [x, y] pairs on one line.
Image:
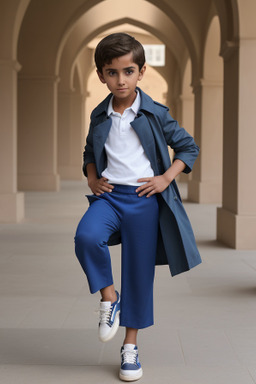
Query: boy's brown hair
[[117, 45]]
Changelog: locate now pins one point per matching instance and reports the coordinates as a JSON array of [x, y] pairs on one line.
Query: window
[[155, 54]]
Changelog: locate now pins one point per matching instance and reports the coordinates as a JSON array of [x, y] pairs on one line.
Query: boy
[[135, 199]]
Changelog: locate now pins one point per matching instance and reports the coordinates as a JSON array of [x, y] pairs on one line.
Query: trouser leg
[[92, 235], [139, 231]]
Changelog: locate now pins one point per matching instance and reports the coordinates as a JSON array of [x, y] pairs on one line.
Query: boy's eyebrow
[[126, 68]]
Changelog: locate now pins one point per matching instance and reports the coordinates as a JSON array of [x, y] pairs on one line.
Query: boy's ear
[[142, 71], [101, 77]]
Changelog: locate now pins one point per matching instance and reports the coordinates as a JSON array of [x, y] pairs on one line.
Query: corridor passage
[[205, 320]]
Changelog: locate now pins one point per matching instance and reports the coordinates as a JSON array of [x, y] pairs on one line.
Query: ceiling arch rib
[[229, 25], [69, 64], [11, 16], [45, 26], [188, 20], [86, 62], [85, 31], [213, 63]]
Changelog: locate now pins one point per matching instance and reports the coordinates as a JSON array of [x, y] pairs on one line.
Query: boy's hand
[[156, 184], [99, 186]]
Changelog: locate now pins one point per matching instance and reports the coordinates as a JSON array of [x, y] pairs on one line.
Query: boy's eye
[[111, 73], [129, 72]]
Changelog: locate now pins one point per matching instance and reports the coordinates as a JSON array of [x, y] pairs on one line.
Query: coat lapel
[[100, 134], [145, 134]]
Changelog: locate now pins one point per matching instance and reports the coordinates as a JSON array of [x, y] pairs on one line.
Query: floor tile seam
[[76, 299], [240, 361], [101, 354], [49, 300], [248, 264], [228, 364], [181, 347], [19, 326], [253, 379]]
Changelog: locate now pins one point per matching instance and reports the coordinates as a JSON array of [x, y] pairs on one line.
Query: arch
[[103, 20], [187, 76], [183, 25], [229, 25], [212, 62], [77, 83], [75, 45], [153, 30], [187, 100], [206, 184], [11, 16], [66, 69], [11, 201]]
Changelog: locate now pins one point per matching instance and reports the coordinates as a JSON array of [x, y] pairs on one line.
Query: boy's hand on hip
[[99, 186], [156, 184]]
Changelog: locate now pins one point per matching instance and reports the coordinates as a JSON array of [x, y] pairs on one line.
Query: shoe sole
[[114, 329], [131, 378]]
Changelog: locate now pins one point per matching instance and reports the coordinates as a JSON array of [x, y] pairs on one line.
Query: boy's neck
[[120, 105]]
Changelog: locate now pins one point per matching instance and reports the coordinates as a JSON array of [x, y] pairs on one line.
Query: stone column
[[187, 121], [205, 186], [37, 133], [187, 113], [236, 219], [71, 135], [11, 201]]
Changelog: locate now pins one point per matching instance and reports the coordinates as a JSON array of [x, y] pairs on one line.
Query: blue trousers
[[137, 220]]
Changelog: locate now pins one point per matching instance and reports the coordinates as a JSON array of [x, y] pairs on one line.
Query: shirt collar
[[134, 107]]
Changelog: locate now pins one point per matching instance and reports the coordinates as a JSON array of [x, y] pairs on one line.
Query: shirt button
[[175, 198]]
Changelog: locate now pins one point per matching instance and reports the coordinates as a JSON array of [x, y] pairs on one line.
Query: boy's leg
[[91, 248], [131, 336], [108, 294], [130, 369], [139, 232], [93, 232]]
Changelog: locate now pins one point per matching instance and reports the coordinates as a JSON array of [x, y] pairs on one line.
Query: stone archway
[[206, 186], [38, 83]]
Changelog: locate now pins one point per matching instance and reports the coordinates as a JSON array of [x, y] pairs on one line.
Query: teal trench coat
[[156, 130]]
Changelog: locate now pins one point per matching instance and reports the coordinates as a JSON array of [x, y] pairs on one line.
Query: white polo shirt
[[126, 159]]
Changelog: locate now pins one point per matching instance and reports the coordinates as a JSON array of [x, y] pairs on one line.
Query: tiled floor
[[205, 320]]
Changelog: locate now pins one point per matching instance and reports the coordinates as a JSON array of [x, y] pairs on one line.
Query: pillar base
[[70, 172], [12, 207], [236, 231], [37, 182], [204, 192]]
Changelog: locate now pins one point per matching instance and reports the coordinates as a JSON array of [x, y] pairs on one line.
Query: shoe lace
[[129, 357], [105, 315]]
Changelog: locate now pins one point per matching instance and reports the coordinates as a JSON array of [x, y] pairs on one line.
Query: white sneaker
[[130, 366], [109, 319]]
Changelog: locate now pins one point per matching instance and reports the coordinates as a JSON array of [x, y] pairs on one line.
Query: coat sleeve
[[88, 155], [180, 141]]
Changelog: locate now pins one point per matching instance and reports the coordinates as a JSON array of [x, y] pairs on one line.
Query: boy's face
[[121, 77]]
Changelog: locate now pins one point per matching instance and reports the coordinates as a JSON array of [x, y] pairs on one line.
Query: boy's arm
[[97, 186], [186, 152], [180, 141], [158, 184], [88, 155]]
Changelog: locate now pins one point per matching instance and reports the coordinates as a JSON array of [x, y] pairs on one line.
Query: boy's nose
[[121, 80]]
